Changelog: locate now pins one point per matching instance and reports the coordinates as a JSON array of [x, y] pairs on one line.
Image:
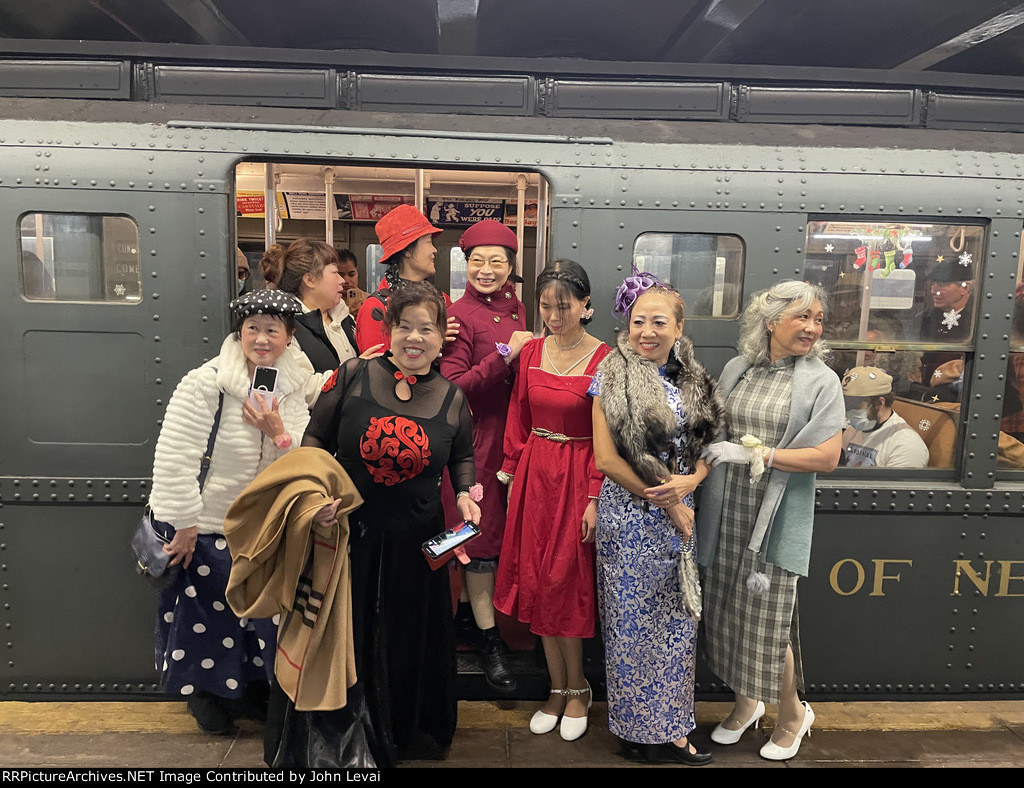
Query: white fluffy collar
[[233, 374]]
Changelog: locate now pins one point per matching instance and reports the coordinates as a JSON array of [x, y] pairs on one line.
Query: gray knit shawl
[[781, 532], [639, 418]]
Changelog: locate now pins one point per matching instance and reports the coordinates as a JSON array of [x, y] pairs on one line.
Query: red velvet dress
[[546, 573], [472, 362]]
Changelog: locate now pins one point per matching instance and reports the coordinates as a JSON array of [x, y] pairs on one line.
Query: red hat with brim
[[400, 227], [488, 233]]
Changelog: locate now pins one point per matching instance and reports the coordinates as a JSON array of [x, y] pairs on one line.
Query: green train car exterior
[[118, 226]]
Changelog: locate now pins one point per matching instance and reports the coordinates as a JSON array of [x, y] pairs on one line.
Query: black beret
[[266, 302]]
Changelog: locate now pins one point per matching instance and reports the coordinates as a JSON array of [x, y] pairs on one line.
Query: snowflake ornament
[[965, 259], [119, 290], [829, 247], [950, 319], [924, 425]]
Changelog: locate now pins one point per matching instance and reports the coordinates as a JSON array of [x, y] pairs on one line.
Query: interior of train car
[[358, 196]]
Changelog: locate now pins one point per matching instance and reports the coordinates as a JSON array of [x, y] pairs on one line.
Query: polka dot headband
[[265, 302]]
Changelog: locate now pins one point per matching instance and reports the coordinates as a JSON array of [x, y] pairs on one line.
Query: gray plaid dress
[[747, 633]]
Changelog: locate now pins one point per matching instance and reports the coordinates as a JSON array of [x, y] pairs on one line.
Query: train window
[[79, 257], [1011, 435], [706, 269], [457, 272], [374, 267], [897, 291], [894, 283]]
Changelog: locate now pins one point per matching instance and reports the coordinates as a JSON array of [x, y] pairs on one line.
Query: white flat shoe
[[723, 735], [574, 727], [773, 752], [542, 722]]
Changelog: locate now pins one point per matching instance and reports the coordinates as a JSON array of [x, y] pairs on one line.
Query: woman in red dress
[[482, 361], [546, 572]]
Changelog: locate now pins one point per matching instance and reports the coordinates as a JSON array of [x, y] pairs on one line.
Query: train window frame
[[1015, 348], [98, 268], [965, 349], [722, 276], [810, 249]]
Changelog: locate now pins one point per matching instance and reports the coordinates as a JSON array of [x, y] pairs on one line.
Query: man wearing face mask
[[877, 436]]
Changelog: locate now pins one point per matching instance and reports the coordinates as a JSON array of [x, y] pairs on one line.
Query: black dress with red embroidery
[[395, 451]]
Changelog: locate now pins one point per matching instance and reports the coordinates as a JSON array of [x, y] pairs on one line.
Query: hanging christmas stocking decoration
[[890, 262]]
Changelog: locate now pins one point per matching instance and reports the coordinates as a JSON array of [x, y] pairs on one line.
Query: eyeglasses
[[243, 274], [494, 262]]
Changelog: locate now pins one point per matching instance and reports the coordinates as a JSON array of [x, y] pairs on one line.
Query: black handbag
[[150, 559], [151, 534]]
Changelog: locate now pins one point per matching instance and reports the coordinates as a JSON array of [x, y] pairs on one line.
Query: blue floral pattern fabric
[[650, 642]]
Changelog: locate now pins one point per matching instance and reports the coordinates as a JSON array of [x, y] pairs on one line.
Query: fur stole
[[638, 414]]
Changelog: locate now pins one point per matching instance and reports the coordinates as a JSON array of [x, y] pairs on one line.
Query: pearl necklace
[[573, 346], [580, 360]]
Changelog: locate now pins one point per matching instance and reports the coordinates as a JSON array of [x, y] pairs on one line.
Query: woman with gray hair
[[785, 418]]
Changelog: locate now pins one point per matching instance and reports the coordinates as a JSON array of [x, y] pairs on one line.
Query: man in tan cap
[[877, 436]]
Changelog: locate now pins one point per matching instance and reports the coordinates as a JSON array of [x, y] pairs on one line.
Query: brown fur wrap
[[641, 422]]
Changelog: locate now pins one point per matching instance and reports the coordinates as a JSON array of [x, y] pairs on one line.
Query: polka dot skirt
[[201, 646]]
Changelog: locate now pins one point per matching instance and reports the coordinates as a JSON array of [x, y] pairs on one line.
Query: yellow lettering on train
[[833, 577], [965, 568], [1005, 576], [880, 573]]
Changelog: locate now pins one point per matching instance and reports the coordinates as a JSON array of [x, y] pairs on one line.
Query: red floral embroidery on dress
[[330, 383], [394, 449]]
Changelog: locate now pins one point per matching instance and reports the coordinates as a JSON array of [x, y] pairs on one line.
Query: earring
[[677, 346]]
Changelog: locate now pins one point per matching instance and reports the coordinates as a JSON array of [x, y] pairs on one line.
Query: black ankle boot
[[494, 658], [253, 703], [211, 712]]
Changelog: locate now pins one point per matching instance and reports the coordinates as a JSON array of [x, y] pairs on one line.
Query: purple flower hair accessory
[[631, 289]]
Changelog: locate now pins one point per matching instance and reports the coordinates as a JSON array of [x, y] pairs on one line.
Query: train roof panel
[[984, 37]]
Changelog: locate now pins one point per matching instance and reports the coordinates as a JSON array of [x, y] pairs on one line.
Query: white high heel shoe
[[773, 752], [542, 722], [574, 727], [723, 735]]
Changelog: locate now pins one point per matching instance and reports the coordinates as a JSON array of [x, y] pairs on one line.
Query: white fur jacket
[[240, 452]]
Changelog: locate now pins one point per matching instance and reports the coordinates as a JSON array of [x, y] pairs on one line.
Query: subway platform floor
[[494, 734]]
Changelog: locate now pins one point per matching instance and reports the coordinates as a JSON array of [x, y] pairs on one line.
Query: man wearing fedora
[[949, 319], [950, 287]]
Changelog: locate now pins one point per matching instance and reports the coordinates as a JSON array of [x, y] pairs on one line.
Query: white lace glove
[[724, 451]]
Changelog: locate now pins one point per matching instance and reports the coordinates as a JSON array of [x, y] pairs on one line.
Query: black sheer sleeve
[[322, 430], [461, 465]]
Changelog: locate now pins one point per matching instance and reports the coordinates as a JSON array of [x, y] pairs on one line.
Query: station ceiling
[[972, 37]]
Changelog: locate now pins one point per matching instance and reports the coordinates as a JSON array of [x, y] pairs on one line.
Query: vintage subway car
[[127, 183]]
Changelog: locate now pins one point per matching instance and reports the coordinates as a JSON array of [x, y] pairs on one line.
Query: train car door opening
[[341, 203]]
